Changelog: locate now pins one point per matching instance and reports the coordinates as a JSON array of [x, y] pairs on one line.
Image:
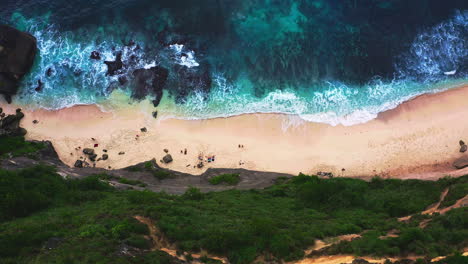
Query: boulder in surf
[[17, 52]]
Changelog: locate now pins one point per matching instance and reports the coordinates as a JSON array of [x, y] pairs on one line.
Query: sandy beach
[[418, 139]]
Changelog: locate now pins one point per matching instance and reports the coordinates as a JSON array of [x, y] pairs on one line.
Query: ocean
[[329, 61]]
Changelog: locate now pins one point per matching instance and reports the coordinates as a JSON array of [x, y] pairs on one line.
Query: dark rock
[[121, 153], [122, 80], [167, 158], [78, 164], [8, 87], [52, 243], [461, 142], [190, 79], [114, 66], [1, 110], [20, 132], [9, 125], [88, 151], [39, 86], [95, 55], [461, 163], [16, 58], [49, 72], [200, 165], [166, 150], [104, 150], [77, 72], [463, 148], [105, 156], [35, 121], [93, 157], [143, 129], [7, 97], [155, 114], [150, 82]]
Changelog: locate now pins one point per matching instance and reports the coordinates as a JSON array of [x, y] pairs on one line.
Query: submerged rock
[[95, 55], [16, 58], [39, 86], [150, 82], [189, 80], [114, 66]]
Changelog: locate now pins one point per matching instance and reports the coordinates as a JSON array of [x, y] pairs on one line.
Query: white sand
[[418, 139]]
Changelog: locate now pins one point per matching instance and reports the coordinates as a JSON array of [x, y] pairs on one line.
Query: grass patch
[[131, 182], [17, 146], [229, 179], [148, 166]]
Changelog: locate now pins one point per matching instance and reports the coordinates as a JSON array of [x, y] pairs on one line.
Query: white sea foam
[[184, 58]]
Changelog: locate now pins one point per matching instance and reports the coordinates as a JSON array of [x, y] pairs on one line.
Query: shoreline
[[417, 139]]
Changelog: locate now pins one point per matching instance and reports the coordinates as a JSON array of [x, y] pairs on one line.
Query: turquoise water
[[261, 57]]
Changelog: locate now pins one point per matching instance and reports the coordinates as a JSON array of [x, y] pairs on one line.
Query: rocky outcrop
[[17, 52], [189, 80], [114, 66], [10, 125], [78, 164], [150, 82], [461, 163]]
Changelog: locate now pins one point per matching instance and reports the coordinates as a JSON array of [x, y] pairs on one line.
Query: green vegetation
[[151, 168], [229, 179], [443, 234], [456, 192], [17, 146], [278, 222], [131, 182]]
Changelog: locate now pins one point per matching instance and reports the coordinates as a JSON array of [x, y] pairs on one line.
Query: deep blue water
[[327, 61]]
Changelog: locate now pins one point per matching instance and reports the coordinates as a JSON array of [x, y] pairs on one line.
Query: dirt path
[[431, 209], [160, 242]]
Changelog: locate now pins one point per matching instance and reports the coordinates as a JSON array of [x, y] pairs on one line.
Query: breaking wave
[[436, 60]]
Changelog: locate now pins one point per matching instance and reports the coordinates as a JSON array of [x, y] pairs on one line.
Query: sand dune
[[418, 139]]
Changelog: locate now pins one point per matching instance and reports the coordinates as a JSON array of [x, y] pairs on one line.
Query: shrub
[[160, 174], [229, 179], [17, 146]]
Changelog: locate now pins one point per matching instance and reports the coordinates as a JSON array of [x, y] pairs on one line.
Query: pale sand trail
[[418, 139]]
